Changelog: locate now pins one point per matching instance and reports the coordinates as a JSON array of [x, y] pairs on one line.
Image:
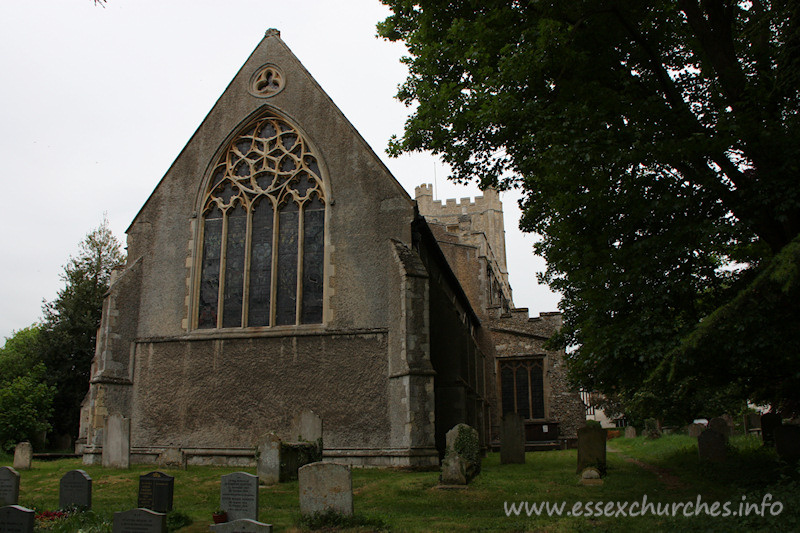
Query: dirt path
[[671, 481]]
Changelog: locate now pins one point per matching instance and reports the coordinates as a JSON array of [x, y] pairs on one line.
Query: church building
[[279, 267]]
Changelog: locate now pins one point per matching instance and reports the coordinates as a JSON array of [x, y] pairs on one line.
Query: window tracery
[[263, 226]]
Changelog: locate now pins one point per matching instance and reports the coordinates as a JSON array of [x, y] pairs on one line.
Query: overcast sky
[[97, 102]]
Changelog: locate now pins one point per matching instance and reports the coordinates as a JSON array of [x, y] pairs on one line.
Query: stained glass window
[[263, 232]]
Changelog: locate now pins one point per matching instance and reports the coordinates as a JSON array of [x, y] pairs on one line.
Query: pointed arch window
[[263, 232]]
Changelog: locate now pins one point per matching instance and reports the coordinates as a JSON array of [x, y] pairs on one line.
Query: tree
[[25, 400], [656, 147], [70, 324]]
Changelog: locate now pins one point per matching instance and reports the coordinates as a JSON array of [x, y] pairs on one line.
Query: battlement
[[490, 201]]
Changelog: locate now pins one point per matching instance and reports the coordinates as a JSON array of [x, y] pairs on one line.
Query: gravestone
[[269, 459], [694, 430], [591, 476], [326, 487], [462, 458], [23, 455], [155, 492], [172, 457], [512, 440], [117, 442], [720, 425], [75, 490], [16, 519], [9, 486], [592, 448], [242, 525], [139, 521], [711, 446], [630, 432], [787, 442], [238, 495], [752, 423], [308, 427], [769, 421]]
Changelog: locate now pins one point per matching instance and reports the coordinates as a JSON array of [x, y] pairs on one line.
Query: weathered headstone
[[769, 421], [591, 476], [117, 442], [155, 491], [308, 427], [462, 457], [592, 448], [720, 425], [242, 525], [512, 439], [326, 487], [75, 490], [711, 446], [16, 519], [23, 455], [269, 459], [139, 521], [787, 442], [694, 430], [9, 486], [630, 432], [238, 495], [172, 457]]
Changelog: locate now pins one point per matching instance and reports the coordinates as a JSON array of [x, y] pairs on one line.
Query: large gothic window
[[522, 387], [263, 229]]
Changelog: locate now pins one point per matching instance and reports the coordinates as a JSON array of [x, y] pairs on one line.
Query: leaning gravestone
[[117, 442], [75, 490], [155, 491], [462, 458], [16, 519], [711, 446], [769, 421], [242, 525], [326, 487], [140, 521], [23, 455], [630, 432], [694, 430], [720, 425], [787, 443], [512, 440], [269, 459], [592, 448], [9, 486], [238, 495]]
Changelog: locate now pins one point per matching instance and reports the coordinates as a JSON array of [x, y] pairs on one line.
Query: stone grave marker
[[238, 495], [172, 457], [23, 456], [462, 457], [139, 521], [787, 442], [308, 427], [242, 525], [720, 425], [16, 519], [591, 476], [592, 448], [325, 487], [711, 445], [269, 459], [75, 490], [630, 432], [9, 486], [512, 440], [155, 491], [752, 423], [769, 421], [117, 442], [694, 430]]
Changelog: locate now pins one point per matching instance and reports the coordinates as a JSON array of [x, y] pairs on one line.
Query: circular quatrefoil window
[[267, 81]]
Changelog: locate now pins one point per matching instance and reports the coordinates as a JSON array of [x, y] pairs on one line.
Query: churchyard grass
[[410, 501]]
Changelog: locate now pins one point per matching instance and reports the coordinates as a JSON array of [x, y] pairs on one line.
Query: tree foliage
[[656, 147], [25, 400], [71, 320]]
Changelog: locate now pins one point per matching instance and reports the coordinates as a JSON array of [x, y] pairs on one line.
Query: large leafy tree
[[70, 325], [656, 144]]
